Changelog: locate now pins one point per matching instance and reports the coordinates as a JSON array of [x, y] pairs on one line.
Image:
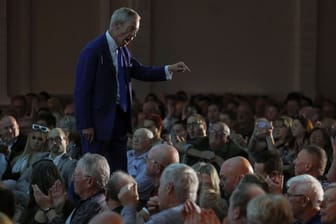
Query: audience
[[282, 145]]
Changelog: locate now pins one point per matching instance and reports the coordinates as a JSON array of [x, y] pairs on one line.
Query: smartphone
[[263, 124]]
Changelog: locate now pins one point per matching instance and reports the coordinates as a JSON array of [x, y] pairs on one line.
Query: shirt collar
[[111, 42]]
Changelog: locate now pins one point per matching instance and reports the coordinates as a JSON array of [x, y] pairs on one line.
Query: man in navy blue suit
[[103, 88]]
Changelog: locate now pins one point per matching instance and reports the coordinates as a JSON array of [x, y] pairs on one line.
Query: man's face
[[296, 199], [328, 206], [124, 33], [301, 162], [140, 141], [228, 180], [152, 165], [195, 128], [217, 136], [57, 142], [80, 180], [213, 113], [9, 129]]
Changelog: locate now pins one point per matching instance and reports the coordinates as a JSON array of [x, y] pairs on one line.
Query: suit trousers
[[114, 150]]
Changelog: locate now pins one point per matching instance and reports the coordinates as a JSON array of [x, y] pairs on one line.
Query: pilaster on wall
[[4, 99], [305, 47], [141, 47]]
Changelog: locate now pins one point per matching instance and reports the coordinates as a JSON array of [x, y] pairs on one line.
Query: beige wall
[[250, 47]]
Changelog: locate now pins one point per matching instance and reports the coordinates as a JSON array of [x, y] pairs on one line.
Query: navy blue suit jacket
[[96, 86]]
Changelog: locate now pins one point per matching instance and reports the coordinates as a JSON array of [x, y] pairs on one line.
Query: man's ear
[[308, 166], [236, 213], [170, 188]]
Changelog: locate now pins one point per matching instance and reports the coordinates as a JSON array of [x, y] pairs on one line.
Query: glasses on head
[[57, 139], [40, 128]]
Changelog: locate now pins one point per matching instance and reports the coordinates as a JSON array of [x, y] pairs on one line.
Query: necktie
[[121, 81]]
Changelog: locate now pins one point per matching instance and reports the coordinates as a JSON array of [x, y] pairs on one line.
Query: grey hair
[[242, 195], [269, 208], [183, 178], [310, 187], [96, 166], [123, 15]]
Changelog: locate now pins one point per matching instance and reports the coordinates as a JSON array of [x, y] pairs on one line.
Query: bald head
[[159, 157], [232, 171], [165, 154], [107, 218]]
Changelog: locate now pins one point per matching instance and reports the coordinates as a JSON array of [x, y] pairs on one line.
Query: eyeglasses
[[194, 124], [152, 161], [57, 139], [40, 128], [76, 174], [289, 195], [217, 132]]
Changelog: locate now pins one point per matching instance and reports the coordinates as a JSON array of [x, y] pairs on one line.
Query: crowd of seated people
[[221, 158]]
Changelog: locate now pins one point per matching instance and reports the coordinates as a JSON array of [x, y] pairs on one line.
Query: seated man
[[117, 181], [136, 158], [158, 158], [90, 178], [12, 144], [239, 200], [305, 195], [312, 160], [231, 172], [178, 184]]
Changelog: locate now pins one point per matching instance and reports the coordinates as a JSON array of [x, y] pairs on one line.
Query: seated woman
[[45, 175], [36, 143], [209, 190]]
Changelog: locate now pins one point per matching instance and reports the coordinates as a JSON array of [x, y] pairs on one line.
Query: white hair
[[184, 179], [147, 133], [309, 186], [95, 165], [123, 15]]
